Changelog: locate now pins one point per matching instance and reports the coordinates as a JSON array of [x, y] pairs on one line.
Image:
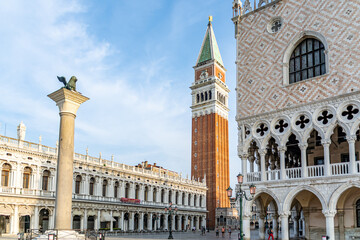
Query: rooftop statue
[[71, 85]]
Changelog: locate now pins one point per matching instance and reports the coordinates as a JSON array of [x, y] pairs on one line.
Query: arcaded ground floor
[[186, 235]]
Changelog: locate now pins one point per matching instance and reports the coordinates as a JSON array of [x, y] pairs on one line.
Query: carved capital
[[262, 152], [351, 138], [329, 213], [326, 142], [303, 146], [285, 214]]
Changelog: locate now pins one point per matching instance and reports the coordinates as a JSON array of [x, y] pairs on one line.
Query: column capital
[[243, 155], [351, 138], [329, 213], [325, 142], [262, 152], [284, 214], [282, 148], [303, 146], [68, 101]]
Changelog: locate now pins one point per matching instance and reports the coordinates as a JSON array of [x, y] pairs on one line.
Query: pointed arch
[[248, 204], [294, 192]]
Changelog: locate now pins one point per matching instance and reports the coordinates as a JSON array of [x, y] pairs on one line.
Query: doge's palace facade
[[298, 115], [106, 194]]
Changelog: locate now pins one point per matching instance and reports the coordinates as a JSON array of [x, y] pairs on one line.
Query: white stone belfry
[[68, 103]]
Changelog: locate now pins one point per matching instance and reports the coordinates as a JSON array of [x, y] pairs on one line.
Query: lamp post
[[171, 210], [240, 194]]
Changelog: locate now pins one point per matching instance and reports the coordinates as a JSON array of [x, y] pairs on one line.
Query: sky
[[132, 59]]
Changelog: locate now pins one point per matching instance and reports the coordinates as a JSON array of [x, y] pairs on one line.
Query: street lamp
[[240, 194], [171, 210]]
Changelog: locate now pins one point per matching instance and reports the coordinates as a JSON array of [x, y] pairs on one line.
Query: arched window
[[189, 200], [195, 200], [307, 60], [146, 190], [183, 199], [202, 97], [176, 197], [116, 188], [154, 195], [197, 98], [200, 201], [26, 177], [162, 195], [45, 180], [127, 189], [206, 97], [170, 196], [91, 186], [77, 184], [209, 95], [104, 186], [5, 175], [137, 189], [358, 213]]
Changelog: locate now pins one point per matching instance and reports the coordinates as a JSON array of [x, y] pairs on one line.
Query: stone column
[[141, 221], [303, 148], [284, 225], [36, 216], [330, 229], [275, 225], [261, 226], [296, 226], [111, 221], [166, 220], [150, 194], [131, 221], [141, 192], [244, 160], [179, 223], [262, 165], [157, 222], [15, 220], [98, 219], [340, 215], [149, 222], [68, 103], [121, 221], [352, 164], [282, 151], [246, 226], [191, 222], [122, 189], [82, 222], [173, 222], [85, 219], [327, 167], [132, 190]]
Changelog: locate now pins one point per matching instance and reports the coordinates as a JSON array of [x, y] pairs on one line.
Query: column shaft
[[352, 163], [303, 161], [246, 228], [282, 164], [262, 166], [65, 170], [284, 227], [327, 167]]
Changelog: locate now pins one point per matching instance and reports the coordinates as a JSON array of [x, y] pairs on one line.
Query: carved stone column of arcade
[[246, 226], [326, 144], [262, 153], [244, 160], [284, 216], [275, 225], [149, 222], [68, 103], [352, 163], [330, 227], [303, 148], [261, 226]]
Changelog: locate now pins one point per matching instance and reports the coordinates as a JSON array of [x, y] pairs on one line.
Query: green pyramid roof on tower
[[209, 49]]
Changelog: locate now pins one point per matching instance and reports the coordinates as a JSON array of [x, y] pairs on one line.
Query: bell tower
[[210, 140]]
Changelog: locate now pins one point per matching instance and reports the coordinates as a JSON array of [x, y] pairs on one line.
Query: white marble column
[[122, 190], [150, 194], [166, 220], [244, 160], [121, 221], [179, 223], [85, 219], [261, 226], [191, 222], [149, 222], [141, 192], [98, 220], [282, 151], [131, 221], [330, 228], [110, 188], [303, 148], [132, 190], [36, 217], [15, 216], [111, 221], [173, 222], [262, 153], [246, 226], [275, 226], [327, 168], [284, 225], [352, 164]]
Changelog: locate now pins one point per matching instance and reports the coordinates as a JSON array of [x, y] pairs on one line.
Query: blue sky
[[132, 59]]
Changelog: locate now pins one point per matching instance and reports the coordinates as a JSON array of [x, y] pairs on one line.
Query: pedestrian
[[223, 232], [271, 234], [217, 232], [229, 231]]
